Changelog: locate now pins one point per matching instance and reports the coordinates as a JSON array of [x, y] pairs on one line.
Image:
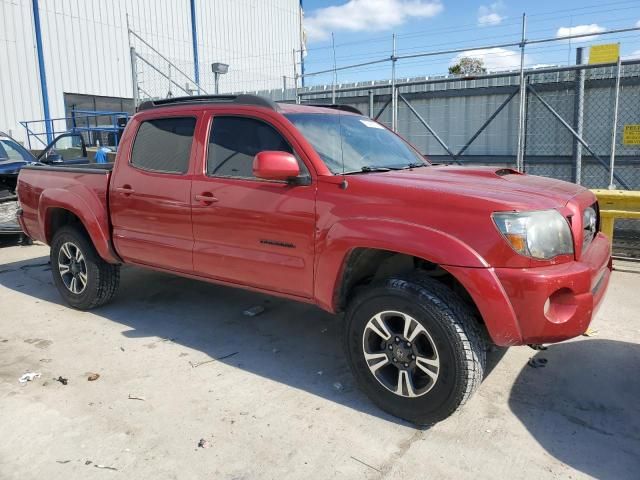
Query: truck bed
[[82, 190]]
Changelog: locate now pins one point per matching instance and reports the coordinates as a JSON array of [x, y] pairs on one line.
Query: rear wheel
[[414, 348], [82, 277]]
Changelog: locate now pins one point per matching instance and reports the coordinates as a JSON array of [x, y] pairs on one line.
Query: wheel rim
[[72, 267], [400, 354]]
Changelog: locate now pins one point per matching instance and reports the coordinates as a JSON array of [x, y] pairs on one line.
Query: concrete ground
[[280, 402]]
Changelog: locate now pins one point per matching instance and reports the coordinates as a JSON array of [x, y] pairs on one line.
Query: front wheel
[[414, 348], [82, 277]]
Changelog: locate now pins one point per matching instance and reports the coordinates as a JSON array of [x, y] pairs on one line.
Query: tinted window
[[234, 141], [164, 145]]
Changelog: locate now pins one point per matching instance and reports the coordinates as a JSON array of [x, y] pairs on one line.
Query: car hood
[[502, 187]]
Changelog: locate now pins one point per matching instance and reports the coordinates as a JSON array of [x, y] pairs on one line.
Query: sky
[[362, 31]]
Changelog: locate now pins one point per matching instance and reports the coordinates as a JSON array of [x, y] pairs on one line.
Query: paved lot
[[282, 403]]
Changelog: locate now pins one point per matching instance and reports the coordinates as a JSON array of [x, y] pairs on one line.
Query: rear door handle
[[206, 197], [125, 190]]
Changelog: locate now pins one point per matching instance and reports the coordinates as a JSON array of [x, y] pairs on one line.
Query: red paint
[[275, 166], [293, 240]]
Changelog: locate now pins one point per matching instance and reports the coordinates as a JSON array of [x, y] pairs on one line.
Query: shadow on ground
[[292, 343], [584, 406]]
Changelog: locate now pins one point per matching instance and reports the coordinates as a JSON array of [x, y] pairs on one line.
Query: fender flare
[[453, 255], [387, 234], [87, 208]]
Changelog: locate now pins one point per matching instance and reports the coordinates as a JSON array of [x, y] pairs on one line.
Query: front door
[[150, 195], [246, 230]]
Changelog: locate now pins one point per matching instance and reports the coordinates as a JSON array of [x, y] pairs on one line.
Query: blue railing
[[89, 122]]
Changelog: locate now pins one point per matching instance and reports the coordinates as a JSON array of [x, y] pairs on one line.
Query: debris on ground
[[135, 397], [204, 443], [338, 386], [366, 464], [591, 332], [122, 348], [538, 346], [28, 377], [88, 462], [97, 465], [45, 360], [537, 362], [275, 350], [62, 380], [197, 364], [324, 330], [319, 372], [93, 377], [254, 311], [63, 461]]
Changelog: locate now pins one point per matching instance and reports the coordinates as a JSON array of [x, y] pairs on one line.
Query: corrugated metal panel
[[19, 85], [86, 49]]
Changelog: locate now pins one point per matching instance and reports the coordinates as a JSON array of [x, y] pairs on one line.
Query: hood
[[503, 187]]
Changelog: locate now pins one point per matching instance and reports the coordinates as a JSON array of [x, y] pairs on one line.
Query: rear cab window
[[164, 145]]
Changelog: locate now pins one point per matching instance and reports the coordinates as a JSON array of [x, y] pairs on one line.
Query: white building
[[56, 55]]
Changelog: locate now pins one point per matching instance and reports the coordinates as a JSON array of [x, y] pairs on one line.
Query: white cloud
[[638, 23], [367, 15], [578, 30], [495, 59], [488, 16]]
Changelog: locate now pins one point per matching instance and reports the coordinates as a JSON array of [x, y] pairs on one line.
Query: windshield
[[11, 151], [363, 145]]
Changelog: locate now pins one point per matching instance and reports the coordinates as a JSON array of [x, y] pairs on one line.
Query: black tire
[[456, 337], [102, 278]]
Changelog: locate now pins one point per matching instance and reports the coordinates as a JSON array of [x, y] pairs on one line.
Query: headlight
[[542, 234]]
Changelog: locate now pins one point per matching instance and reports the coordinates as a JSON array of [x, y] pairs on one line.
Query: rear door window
[[164, 145], [234, 141]]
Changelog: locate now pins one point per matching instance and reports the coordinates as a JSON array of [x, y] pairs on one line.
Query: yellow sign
[[631, 135], [607, 53]]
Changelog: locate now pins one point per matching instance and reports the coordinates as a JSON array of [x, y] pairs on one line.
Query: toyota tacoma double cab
[[429, 265]]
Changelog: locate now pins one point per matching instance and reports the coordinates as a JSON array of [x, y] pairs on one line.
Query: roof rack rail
[[336, 106], [242, 99]]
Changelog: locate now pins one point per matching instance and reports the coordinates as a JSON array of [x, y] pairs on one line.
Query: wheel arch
[[58, 207]]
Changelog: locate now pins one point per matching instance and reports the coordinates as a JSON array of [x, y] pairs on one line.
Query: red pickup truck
[[430, 264]]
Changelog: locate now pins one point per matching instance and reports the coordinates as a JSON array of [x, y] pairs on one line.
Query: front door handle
[[125, 190], [206, 197]]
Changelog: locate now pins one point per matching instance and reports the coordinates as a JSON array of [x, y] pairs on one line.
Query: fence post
[[394, 93], [521, 111], [578, 115], [284, 87], [295, 77], [134, 76], [614, 128], [371, 112]]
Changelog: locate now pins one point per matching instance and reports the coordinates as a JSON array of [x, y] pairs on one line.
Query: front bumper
[[542, 304], [555, 303]]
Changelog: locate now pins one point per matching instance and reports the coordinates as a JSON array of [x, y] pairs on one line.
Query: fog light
[[560, 306]]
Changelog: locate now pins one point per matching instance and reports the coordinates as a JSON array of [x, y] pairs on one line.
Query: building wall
[[86, 48]]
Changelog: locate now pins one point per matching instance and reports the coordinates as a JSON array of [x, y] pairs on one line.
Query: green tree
[[468, 66]]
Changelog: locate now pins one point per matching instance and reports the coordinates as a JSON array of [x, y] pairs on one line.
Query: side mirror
[[52, 157], [270, 165]]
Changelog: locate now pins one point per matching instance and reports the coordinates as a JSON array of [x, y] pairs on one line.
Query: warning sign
[[631, 135], [607, 53]]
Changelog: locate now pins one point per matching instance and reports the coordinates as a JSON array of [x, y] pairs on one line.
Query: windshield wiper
[[415, 165], [369, 169]]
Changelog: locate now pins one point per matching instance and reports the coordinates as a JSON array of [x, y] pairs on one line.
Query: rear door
[[247, 230], [150, 192]]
